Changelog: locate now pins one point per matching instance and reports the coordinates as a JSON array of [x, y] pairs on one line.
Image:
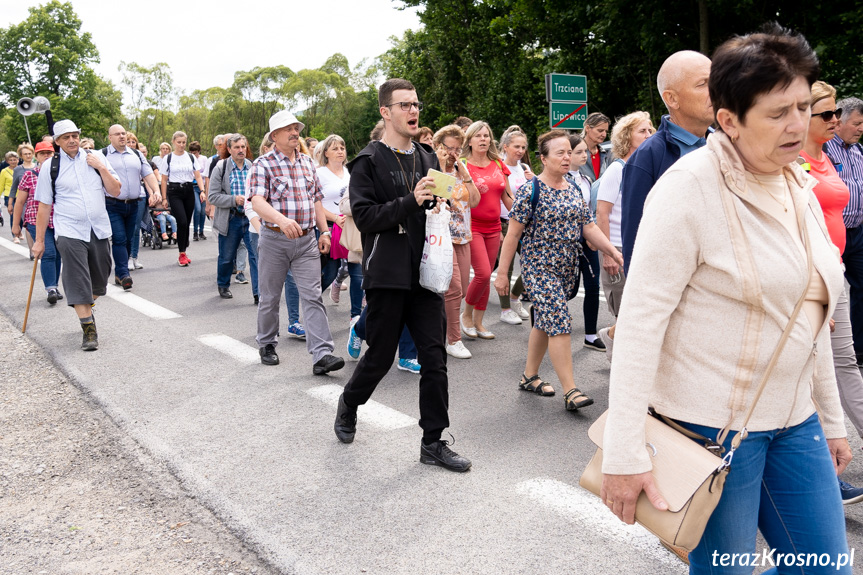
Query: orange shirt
[[832, 194]]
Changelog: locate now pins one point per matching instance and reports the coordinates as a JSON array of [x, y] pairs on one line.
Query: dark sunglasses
[[828, 115]]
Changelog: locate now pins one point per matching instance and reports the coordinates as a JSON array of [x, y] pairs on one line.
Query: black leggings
[[181, 198]]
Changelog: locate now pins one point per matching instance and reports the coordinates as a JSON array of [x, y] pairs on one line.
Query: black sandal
[[571, 400], [527, 384]]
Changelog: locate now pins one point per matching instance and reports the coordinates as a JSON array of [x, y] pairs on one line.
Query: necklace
[[404, 175], [784, 202]]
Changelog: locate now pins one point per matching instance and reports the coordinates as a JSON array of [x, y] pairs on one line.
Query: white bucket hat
[[65, 127], [282, 119]]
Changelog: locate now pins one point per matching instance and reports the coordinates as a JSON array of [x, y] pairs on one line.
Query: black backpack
[[55, 169]]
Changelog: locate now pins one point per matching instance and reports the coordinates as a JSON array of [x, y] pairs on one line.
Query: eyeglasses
[[406, 106], [453, 150], [828, 115]]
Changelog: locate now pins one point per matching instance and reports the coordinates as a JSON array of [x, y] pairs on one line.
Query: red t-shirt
[[596, 160], [832, 194], [491, 183]]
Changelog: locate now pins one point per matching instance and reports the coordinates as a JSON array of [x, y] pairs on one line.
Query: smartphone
[[443, 183]]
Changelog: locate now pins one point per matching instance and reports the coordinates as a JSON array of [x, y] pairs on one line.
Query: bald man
[[682, 83], [132, 168]]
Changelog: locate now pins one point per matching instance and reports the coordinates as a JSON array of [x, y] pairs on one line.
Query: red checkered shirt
[[292, 188], [28, 186]]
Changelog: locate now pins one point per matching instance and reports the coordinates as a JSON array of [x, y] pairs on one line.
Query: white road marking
[[140, 304], [372, 413], [137, 303], [232, 347], [588, 511], [20, 249]]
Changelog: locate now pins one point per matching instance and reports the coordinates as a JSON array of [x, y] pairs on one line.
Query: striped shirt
[[292, 188], [131, 169], [80, 199], [851, 158]]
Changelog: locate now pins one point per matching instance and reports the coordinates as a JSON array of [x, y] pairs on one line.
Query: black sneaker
[[257, 299], [225, 293], [439, 453], [327, 364], [268, 355], [346, 421], [91, 339], [195, 237], [53, 295], [595, 344]]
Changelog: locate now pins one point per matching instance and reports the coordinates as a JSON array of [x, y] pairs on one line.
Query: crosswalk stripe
[[20, 249], [587, 510], [372, 413], [231, 347], [140, 304]]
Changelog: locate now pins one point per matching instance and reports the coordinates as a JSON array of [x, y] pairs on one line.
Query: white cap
[[282, 119], [64, 127]]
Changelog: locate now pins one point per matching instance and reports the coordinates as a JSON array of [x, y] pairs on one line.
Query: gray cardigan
[[220, 194]]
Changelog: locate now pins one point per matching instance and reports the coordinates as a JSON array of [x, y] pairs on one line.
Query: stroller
[[151, 232]]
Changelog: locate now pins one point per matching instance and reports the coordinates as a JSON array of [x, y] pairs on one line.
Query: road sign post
[[567, 100]]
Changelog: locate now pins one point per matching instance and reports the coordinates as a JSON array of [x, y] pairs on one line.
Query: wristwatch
[[327, 233], [467, 181]]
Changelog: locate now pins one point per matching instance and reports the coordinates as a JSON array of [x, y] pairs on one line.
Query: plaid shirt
[[28, 186], [238, 181], [292, 188]]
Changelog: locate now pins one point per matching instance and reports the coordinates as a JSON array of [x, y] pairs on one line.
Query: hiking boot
[[91, 339]]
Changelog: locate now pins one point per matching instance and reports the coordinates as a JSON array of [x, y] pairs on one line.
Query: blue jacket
[[647, 164]]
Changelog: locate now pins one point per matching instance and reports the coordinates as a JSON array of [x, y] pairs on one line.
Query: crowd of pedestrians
[[747, 198]]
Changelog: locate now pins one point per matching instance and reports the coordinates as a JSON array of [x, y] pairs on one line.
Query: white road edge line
[[137, 303], [372, 413], [586, 509], [232, 347]]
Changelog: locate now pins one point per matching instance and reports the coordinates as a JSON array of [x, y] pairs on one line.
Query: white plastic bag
[[436, 265]]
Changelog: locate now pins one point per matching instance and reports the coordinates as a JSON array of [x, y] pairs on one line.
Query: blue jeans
[[50, 267], [407, 348], [163, 218], [238, 230], [783, 483], [292, 299], [136, 236], [588, 266], [124, 220], [355, 271], [199, 216]]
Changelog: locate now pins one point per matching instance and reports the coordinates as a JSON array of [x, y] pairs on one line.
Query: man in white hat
[[286, 193], [76, 192]]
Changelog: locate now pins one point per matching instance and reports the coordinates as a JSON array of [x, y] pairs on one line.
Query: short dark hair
[[575, 139], [385, 92], [746, 67], [462, 122], [543, 140], [195, 146]]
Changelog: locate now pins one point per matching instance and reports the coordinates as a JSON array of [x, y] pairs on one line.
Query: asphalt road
[[177, 370]]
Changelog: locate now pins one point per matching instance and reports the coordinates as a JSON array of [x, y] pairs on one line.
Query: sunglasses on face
[[828, 115]]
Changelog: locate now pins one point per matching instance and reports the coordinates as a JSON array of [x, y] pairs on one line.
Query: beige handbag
[[690, 476], [351, 238]]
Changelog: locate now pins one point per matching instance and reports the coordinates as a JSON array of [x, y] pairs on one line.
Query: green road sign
[[565, 88], [567, 115]]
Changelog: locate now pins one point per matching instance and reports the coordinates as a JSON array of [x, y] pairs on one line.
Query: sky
[[195, 38]]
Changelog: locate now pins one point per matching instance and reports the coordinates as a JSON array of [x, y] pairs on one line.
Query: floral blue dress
[[549, 251]]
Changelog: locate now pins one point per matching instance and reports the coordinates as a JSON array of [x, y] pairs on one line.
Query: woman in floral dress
[[550, 263]]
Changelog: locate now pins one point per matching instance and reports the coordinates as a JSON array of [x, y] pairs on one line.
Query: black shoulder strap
[[224, 165], [104, 152], [140, 158], [55, 171], [534, 202], [168, 164]]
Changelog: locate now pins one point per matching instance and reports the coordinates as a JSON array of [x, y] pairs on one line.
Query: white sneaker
[[458, 350], [138, 265], [131, 264], [515, 305], [510, 317], [606, 339]]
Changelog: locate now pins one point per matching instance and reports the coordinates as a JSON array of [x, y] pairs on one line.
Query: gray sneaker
[[606, 339]]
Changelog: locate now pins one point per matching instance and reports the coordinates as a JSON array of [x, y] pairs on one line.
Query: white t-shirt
[[609, 191], [516, 180], [333, 188], [181, 170]]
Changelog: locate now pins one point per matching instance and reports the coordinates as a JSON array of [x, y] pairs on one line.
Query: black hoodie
[[385, 211]]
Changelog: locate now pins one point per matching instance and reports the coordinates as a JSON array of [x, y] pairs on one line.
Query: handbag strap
[[741, 435]]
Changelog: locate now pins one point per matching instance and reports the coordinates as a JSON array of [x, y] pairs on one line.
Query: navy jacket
[[647, 164]]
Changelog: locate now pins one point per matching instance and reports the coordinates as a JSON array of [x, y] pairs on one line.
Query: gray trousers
[[277, 255], [848, 376]]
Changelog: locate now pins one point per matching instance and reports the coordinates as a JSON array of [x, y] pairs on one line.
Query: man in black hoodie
[[390, 192]]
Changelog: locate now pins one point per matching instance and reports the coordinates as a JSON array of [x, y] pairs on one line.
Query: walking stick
[[29, 295]]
